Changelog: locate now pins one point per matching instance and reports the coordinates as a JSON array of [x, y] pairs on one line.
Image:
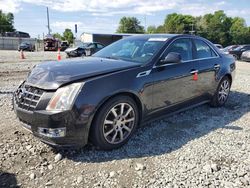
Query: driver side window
[[183, 47]]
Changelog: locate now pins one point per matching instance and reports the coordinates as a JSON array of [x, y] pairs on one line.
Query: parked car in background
[[51, 43], [245, 56], [26, 46], [105, 97], [229, 48], [64, 45], [219, 46], [81, 49], [237, 52]]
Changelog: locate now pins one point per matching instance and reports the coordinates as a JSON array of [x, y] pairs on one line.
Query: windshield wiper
[[112, 57]]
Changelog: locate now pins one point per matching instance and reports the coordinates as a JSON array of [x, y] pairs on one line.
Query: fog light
[[52, 133]]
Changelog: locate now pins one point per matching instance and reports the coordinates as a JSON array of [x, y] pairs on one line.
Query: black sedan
[[84, 49], [64, 45], [229, 48], [105, 97], [26, 46], [237, 52]]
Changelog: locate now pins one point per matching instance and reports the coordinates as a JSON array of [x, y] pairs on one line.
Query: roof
[[111, 34], [158, 35]]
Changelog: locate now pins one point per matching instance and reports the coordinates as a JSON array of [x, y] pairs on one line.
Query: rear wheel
[[221, 95], [115, 123]]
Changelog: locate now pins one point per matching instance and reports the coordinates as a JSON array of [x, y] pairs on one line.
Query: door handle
[[145, 73], [194, 71], [216, 66]]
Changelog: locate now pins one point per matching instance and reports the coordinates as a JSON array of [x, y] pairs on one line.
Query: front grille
[[27, 97]]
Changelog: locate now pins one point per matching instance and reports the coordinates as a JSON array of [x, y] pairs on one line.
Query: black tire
[[98, 127], [218, 100]]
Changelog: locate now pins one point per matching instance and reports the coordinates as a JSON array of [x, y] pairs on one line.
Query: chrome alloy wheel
[[119, 123], [223, 91]]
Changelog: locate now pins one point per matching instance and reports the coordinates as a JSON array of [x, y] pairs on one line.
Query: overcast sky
[[102, 16]]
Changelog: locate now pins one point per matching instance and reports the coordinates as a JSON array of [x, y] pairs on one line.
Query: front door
[[174, 83]]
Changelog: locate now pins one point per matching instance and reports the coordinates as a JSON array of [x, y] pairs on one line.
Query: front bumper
[[24, 48], [76, 131], [72, 53]]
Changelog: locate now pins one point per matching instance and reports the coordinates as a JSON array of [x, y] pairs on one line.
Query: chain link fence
[[12, 43]]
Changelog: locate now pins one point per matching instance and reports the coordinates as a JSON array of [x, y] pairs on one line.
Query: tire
[[221, 95], [112, 127]]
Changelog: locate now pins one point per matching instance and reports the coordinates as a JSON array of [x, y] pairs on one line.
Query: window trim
[[192, 39]]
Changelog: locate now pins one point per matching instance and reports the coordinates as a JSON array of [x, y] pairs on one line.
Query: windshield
[[238, 48], [139, 50]]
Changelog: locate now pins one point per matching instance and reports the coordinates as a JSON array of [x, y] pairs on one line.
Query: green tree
[[58, 36], [160, 29], [68, 35], [216, 27], [130, 25], [154, 29], [178, 23], [151, 29], [239, 31], [6, 22]]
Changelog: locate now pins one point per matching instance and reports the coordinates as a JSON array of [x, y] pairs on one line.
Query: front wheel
[[114, 124], [221, 95]]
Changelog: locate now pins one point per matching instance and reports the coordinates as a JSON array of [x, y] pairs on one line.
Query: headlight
[[64, 97]]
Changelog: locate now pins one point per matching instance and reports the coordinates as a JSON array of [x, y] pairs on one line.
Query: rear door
[[209, 64], [174, 83]]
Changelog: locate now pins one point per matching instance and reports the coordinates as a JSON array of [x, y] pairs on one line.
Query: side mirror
[[172, 57]]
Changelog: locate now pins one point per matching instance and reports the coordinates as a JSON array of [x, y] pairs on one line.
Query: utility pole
[[192, 31], [75, 35], [48, 20], [145, 23]]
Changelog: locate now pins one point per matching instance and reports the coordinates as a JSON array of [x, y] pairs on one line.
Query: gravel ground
[[201, 147], [9, 56]]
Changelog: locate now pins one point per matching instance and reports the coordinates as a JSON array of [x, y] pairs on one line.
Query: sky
[[102, 16]]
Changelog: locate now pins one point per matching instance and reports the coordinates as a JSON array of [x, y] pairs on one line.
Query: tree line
[[216, 27], [66, 36], [7, 25]]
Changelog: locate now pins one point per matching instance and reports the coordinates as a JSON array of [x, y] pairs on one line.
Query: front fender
[[97, 91]]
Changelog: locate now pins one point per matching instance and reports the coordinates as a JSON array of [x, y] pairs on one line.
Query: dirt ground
[[201, 147]]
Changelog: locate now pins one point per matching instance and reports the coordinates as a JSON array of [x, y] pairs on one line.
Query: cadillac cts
[[103, 99]]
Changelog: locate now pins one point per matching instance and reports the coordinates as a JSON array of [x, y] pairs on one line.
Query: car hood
[[71, 49], [51, 75]]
